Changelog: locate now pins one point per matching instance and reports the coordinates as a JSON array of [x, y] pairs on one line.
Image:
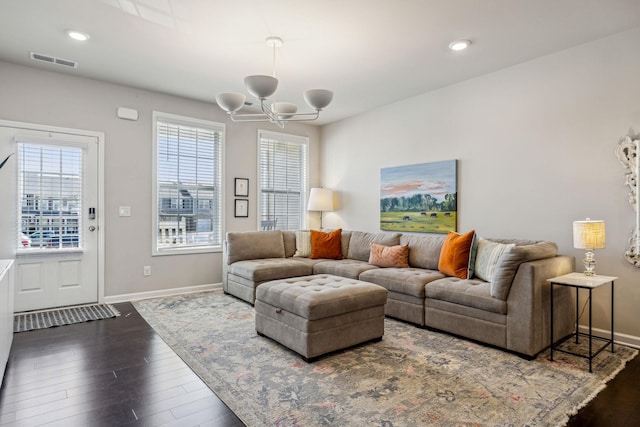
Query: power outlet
[[147, 270]]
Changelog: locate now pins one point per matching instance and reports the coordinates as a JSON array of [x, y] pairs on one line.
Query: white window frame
[[192, 122], [291, 139]]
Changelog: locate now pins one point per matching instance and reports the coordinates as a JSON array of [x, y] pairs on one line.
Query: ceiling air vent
[[53, 60]]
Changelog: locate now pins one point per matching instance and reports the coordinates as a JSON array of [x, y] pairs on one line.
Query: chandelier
[[262, 87]]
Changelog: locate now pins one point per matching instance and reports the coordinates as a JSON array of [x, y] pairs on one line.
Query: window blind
[[188, 185], [283, 180], [49, 196]]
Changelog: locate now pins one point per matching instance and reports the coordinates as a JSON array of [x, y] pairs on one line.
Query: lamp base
[[589, 264]]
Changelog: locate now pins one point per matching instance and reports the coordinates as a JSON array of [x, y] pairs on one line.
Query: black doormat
[[62, 316]]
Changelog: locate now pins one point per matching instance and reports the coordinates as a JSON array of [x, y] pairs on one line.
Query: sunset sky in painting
[[436, 179]]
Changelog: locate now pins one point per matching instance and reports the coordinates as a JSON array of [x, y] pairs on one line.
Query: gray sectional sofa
[[512, 312]]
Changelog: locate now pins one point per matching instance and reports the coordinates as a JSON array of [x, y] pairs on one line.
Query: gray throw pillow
[[510, 261]]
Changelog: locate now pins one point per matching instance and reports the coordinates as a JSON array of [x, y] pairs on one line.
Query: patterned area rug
[[62, 316], [412, 377]]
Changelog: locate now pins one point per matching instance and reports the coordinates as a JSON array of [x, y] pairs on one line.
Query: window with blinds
[[188, 183], [282, 163], [49, 196]]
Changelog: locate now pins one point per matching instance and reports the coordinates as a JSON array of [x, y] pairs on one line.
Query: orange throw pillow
[[326, 245], [389, 256], [454, 256]]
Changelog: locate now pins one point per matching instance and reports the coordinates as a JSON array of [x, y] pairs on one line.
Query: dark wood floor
[[118, 372], [113, 372]]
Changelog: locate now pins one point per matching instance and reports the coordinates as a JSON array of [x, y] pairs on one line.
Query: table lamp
[[589, 235], [320, 199]]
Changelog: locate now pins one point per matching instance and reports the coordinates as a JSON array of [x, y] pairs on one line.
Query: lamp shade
[[284, 110], [261, 87], [589, 234], [318, 98], [230, 101], [320, 199]]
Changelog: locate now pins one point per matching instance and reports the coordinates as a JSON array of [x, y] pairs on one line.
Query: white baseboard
[[161, 293], [624, 339]]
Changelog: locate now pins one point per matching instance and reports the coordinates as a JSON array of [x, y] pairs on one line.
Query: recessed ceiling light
[[459, 44], [78, 35]]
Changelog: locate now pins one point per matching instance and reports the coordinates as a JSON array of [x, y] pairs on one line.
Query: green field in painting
[[393, 221]]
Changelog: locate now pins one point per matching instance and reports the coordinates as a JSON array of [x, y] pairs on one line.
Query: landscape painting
[[419, 198]]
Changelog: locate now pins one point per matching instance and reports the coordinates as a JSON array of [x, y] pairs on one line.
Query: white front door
[[57, 244]]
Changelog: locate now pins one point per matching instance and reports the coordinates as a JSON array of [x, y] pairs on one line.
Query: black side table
[[581, 281]]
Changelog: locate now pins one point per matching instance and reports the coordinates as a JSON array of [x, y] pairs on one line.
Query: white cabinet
[[6, 312]]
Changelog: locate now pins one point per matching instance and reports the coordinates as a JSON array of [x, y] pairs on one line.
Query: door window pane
[[49, 196]]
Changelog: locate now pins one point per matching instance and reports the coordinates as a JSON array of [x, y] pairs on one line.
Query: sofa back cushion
[[254, 245], [510, 261], [424, 251], [360, 243], [345, 238], [289, 238]]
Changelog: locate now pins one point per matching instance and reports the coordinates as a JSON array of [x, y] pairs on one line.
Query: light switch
[[125, 210]]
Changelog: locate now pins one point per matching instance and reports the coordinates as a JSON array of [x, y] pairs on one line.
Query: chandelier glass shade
[[263, 87]]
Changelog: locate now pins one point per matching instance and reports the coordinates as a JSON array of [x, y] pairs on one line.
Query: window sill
[[186, 250]]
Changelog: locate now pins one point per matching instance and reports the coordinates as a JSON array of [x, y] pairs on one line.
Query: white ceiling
[[369, 52]]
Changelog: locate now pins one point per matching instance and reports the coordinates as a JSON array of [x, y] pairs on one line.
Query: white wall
[[535, 147], [42, 97]]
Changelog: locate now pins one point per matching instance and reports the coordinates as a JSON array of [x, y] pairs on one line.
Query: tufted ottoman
[[314, 315]]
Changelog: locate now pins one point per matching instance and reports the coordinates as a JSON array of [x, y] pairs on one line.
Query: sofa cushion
[[360, 243], [326, 245], [424, 251], [389, 256], [510, 261], [345, 268], [455, 253], [321, 296], [408, 281], [254, 245], [289, 238], [345, 238], [487, 257], [260, 270], [471, 293], [303, 243]]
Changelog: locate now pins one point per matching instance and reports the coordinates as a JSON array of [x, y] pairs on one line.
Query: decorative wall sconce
[[627, 152]]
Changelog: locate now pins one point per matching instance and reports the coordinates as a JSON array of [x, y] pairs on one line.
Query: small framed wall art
[[241, 208], [242, 187]]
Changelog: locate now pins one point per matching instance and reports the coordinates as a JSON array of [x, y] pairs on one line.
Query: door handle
[[92, 228]]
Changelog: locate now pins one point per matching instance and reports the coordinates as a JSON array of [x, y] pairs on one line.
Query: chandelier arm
[[243, 117], [260, 117], [305, 117]]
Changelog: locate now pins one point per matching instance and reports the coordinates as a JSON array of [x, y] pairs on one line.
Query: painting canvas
[[420, 198]]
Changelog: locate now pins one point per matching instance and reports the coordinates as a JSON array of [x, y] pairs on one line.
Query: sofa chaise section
[[520, 321], [255, 257]]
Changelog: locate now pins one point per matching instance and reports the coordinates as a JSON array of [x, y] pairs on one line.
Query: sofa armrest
[[528, 305], [225, 268]]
